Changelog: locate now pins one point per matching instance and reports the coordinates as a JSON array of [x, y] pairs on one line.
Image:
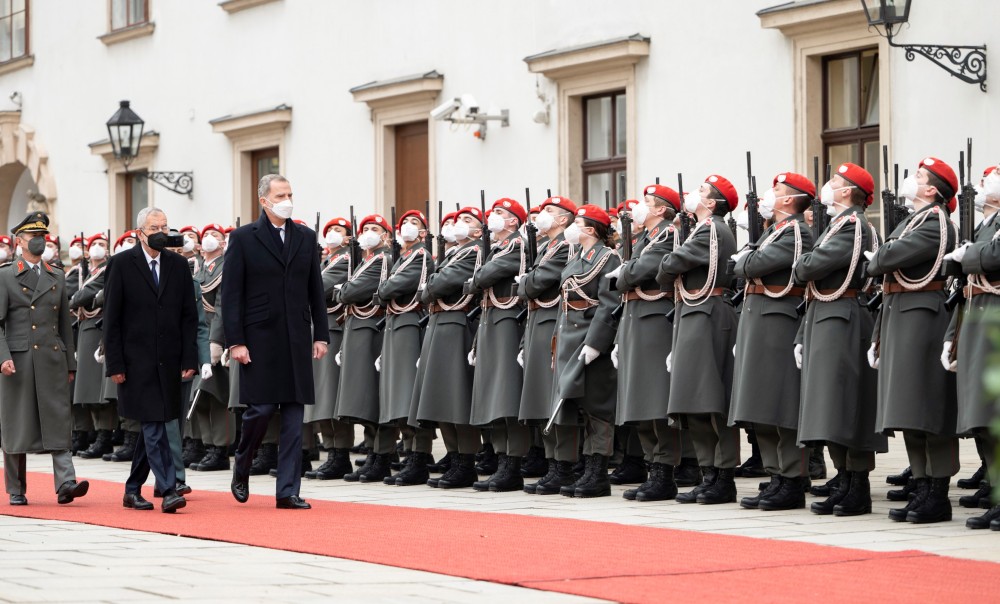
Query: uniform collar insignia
[[20, 266], [654, 232], [211, 265], [505, 242], [590, 255]]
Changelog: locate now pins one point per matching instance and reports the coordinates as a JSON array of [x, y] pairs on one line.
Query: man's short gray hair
[[264, 186], [144, 215]]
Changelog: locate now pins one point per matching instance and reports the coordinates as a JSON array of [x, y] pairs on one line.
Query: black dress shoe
[[72, 489], [292, 503], [182, 489], [172, 502], [18, 500], [240, 488], [136, 502]]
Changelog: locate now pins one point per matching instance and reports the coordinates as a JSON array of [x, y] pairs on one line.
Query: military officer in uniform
[[540, 287], [37, 363], [766, 381], [83, 424], [915, 394], [701, 360], [6, 250], [838, 398]]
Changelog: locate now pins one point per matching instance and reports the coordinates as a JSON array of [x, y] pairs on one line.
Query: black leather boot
[[311, 474], [984, 521], [487, 461], [789, 496], [936, 507], [100, 447], [79, 442], [899, 480], [443, 465], [599, 484], [265, 460], [663, 488], [218, 462], [772, 487], [688, 474], [979, 499], [378, 469], [355, 476], [564, 477], [534, 465], [753, 467], [858, 500], [708, 476], [974, 481], [825, 507], [631, 493], [903, 494], [827, 489], [340, 465], [464, 474], [549, 475], [503, 463], [723, 490], [416, 471], [512, 479], [632, 470], [922, 486], [588, 469], [193, 451], [817, 464], [124, 452]]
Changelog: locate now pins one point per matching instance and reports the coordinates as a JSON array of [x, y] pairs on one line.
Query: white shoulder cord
[[333, 262], [713, 262], [92, 314], [548, 256], [981, 281], [855, 255], [659, 237], [915, 284], [795, 257], [514, 300], [367, 314], [415, 302], [575, 283], [464, 300]]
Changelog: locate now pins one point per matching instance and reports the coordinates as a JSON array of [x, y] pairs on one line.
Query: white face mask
[[282, 209], [618, 226], [334, 239], [97, 252], [209, 244], [125, 247], [48, 254], [369, 240], [640, 213], [495, 224], [461, 231], [991, 185], [188, 244], [75, 253], [408, 232], [3, 255], [448, 232], [766, 205], [980, 199], [909, 189], [572, 234], [691, 201], [544, 221]]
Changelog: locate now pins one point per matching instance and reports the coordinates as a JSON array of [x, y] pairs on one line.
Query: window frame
[[859, 134], [128, 9], [612, 164], [255, 156], [27, 33]]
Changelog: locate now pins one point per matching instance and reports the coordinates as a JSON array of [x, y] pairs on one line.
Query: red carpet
[[596, 559]]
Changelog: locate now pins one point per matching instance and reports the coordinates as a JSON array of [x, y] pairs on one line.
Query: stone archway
[[20, 152]]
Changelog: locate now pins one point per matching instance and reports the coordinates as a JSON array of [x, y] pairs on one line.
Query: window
[[13, 29], [604, 153], [262, 162], [851, 114], [136, 197], [127, 13]]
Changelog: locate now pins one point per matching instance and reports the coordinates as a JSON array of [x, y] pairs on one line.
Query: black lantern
[[125, 131], [967, 63]]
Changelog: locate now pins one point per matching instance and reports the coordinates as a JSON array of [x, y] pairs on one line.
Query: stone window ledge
[[127, 33]]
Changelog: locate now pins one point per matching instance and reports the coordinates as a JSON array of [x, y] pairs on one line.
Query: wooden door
[[262, 163], [412, 179]]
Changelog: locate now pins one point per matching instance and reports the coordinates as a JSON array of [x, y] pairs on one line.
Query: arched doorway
[[25, 181]]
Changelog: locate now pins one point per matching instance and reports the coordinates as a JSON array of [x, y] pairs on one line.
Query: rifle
[[627, 250], [531, 246], [319, 242], [755, 225], [966, 232], [428, 237], [893, 213], [484, 241], [84, 262], [395, 239], [684, 229], [355, 251], [441, 243], [237, 222]]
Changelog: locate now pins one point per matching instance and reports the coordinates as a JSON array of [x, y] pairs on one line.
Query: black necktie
[[156, 278]]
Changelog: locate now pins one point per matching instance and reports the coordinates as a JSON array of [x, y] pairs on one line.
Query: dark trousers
[[255, 420], [152, 452]]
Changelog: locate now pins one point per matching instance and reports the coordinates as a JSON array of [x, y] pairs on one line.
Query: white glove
[[338, 286], [517, 279], [736, 257], [614, 274], [206, 371], [734, 351], [215, 352], [872, 359], [378, 363], [614, 356], [946, 361], [336, 358], [418, 362], [798, 355], [520, 357], [225, 357], [669, 364], [869, 255], [472, 357], [421, 287], [98, 356], [588, 354], [958, 253], [743, 221]]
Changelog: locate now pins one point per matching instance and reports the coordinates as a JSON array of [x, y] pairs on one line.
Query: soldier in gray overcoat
[[446, 400], [838, 398], [915, 393], [766, 381], [540, 288], [701, 360], [37, 365]]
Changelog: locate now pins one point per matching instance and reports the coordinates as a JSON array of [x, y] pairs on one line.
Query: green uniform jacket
[[326, 372], [644, 334], [496, 388], [38, 336], [402, 334], [442, 389], [90, 374], [357, 392], [838, 400], [214, 390], [541, 285], [766, 381], [914, 390], [704, 334]]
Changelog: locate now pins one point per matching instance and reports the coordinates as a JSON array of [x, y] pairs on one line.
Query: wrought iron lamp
[[125, 131], [967, 63]]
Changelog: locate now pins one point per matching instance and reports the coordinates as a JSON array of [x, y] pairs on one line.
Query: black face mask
[[161, 241], [36, 245]]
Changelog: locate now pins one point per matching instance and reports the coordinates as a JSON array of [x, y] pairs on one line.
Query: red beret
[[341, 222], [76, 240], [613, 212], [989, 170], [189, 229], [212, 227], [420, 216], [726, 189], [300, 221], [944, 172], [230, 229], [511, 206], [859, 177], [5, 239], [471, 211], [535, 210], [50, 238], [450, 216], [374, 219], [595, 213], [125, 236], [666, 194], [560, 202], [93, 238], [796, 181]]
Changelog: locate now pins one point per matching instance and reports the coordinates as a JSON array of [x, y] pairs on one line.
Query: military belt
[[974, 290], [579, 304], [533, 305], [718, 291], [848, 293], [632, 296], [487, 303], [434, 307], [354, 312], [796, 292], [896, 288]]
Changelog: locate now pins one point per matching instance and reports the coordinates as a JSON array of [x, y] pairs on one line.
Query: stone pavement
[[150, 568]]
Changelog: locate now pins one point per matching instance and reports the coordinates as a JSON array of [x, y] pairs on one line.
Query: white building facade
[[338, 95]]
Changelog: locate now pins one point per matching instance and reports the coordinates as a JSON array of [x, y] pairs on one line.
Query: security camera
[[444, 110]]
